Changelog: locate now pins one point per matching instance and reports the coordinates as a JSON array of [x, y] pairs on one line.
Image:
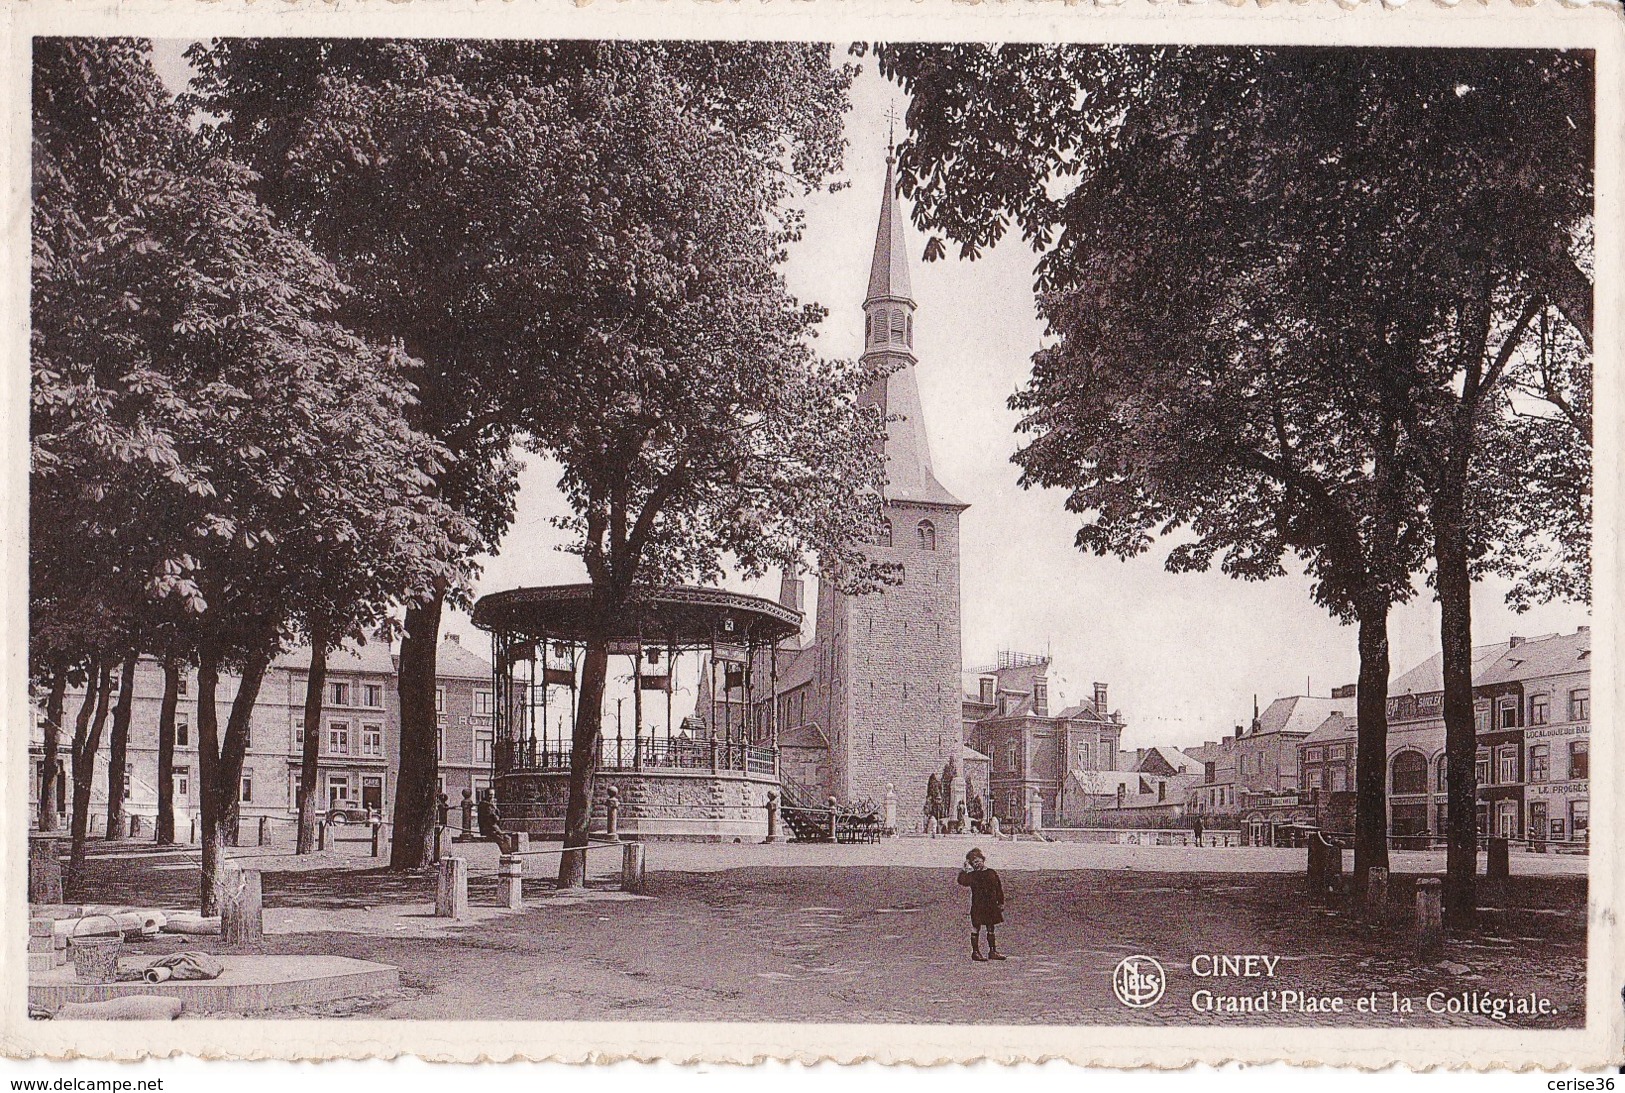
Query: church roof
[[888, 270]]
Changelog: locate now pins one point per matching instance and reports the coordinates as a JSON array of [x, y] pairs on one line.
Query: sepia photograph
[[633, 531]]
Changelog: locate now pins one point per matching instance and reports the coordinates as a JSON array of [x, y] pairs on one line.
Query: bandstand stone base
[[680, 804]]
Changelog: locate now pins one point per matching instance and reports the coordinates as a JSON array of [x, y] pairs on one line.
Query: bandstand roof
[[683, 615]]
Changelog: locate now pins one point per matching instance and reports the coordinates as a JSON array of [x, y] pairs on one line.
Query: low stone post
[[632, 867], [321, 834], [438, 853], [265, 830], [511, 881], [377, 838], [1376, 889], [192, 838], [451, 889], [1429, 919], [1316, 867], [468, 814], [1498, 866], [612, 814], [44, 871], [135, 826], [242, 911], [96, 821], [773, 817], [888, 812]]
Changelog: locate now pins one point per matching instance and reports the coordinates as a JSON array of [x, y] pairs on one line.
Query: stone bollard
[[192, 838], [511, 881], [632, 868], [135, 826], [242, 911], [44, 871], [888, 811], [1316, 867], [438, 853], [377, 838], [321, 834], [612, 815], [834, 825], [772, 817], [1376, 889], [265, 825], [1429, 919], [96, 821], [468, 814], [451, 889], [1498, 865]]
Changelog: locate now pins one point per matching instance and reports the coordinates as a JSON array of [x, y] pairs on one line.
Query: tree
[[203, 429], [1333, 144], [463, 188]]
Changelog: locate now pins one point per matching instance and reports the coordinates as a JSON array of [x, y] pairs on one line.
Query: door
[[1537, 819], [1506, 819], [372, 794]]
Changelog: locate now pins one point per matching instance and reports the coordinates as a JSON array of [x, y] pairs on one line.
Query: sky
[[1183, 654]]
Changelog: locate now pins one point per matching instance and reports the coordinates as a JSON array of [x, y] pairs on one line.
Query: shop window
[[1410, 773], [1580, 819]]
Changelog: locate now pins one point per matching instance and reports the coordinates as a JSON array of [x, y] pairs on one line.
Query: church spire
[[888, 347], [888, 270]]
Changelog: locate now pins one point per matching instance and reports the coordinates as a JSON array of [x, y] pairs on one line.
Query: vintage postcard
[[902, 531]]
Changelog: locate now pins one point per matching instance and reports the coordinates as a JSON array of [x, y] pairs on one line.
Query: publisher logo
[[1139, 981]]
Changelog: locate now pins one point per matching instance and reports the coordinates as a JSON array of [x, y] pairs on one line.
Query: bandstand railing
[[615, 755]]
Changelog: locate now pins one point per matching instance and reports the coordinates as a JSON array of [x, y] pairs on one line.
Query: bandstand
[[705, 776]]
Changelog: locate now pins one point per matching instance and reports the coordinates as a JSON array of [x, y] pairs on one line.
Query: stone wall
[[654, 804]]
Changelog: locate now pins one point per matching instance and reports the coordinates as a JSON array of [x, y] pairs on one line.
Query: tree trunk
[[50, 761], [1460, 739], [418, 782], [220, 760], [118, 747], [1371, 744], [87, 739], [310, 754], [584, 762], [164, 826]]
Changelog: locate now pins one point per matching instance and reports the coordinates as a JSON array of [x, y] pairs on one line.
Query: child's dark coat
[[986, 896]]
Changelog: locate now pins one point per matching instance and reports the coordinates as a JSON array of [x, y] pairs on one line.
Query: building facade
[[1532, 712], [359, 735]]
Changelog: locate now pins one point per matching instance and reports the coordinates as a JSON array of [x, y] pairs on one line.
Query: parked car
[[348, 814]]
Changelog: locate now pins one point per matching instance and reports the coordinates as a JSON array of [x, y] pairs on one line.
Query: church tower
[[888, 672]]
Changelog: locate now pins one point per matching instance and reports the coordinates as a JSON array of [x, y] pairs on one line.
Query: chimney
[[1582, 629], [1238, 732], [1347, 690], [1041, 696], [1514, 641], [1100, 699], [455, 639], [987, 690]]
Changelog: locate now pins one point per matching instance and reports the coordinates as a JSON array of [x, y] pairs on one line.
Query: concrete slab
[[248, 984]]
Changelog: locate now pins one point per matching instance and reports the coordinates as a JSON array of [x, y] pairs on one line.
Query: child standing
[[986, 904]]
